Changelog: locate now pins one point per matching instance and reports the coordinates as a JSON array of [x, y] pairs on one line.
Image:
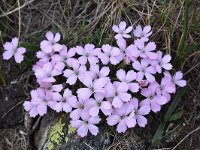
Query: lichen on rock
[[56, 134]]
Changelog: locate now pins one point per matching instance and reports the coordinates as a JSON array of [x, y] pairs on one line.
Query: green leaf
[[175, 116], [174, 104], [159, 132], [30, 46], [182, 43], [157, 136], [2, 78]]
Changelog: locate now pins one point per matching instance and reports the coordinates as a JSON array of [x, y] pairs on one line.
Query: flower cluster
[[123, 83]]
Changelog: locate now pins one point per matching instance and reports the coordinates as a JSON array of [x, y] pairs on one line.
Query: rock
[[55, 133]]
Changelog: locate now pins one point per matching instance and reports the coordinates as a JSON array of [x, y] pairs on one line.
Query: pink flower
[[65, 56], [142, 34], [99, 104], [144, 51], [88, 53], [162, 62], [96, 73], [11, 49], [44, 57], [48, 87], [39, 102], [144, 69], [31, 108], [121, 30], [81, 108], [128, 79], [121, 117], [139, 112], [118, 93], [177, 78], [127, 53], [87, 123], [51, 45], [37, 66], [65, 102], [109, 54], [76, 73], [92, 87], [153, 100], [47, 73]]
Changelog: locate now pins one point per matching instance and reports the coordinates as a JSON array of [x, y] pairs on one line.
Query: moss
[[55, 134], [71, 129]]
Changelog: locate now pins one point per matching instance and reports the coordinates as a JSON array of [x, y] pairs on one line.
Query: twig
[[185, 137], [11, 109], [89, 146], [16, 9], [19, 18]]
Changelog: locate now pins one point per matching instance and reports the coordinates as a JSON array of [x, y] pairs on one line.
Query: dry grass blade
[[16, 9]]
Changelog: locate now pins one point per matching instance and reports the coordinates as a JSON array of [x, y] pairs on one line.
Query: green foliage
[[182, 47], [169, 116], [2, 78]]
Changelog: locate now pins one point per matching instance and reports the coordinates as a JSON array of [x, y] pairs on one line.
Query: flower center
[[121, 32], [85, 122], [76, 73], [123, 116], [151, 97], [142, 34], [98, 104], [81, 106]]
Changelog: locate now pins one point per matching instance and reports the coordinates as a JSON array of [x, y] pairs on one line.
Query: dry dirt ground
[[82, 21]]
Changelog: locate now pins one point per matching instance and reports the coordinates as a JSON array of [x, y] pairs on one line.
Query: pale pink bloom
[[48, 87], [109, 54], [162, 62], [96, 72], [166, 87], [176, 78], [39, 102], [86, 123], [118, 93], [38, 65], [128, 78], [32, 109], [144, 69], [144, 50], [88, 53], [59, 66], [65, 102], [121, 30], [143, 33], [77, 72], [51, 44], [92, 87], [121, 117], [153, 100], [65, 56], [139, 112], [127, 53], [47, 73], [11, 49], [99, 104], [44, 57], [81, 108]]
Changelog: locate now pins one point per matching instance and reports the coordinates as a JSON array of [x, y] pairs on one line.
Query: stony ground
[[82, 21]]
